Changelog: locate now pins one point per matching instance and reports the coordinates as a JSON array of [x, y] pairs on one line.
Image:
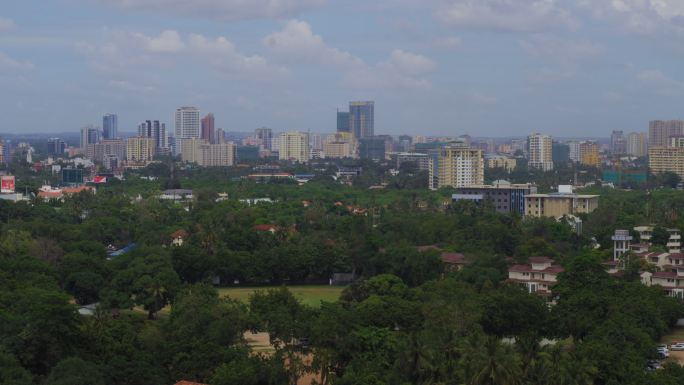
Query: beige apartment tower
[[458, 166], [140, 149], [660, 132], [294, 146], [664, 159]]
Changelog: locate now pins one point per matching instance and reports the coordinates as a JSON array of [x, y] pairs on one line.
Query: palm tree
[[492, 363]]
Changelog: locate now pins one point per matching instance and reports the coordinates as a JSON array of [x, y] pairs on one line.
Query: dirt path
[[260, 343]]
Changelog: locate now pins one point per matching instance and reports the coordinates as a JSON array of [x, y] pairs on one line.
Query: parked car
[[653, 365], [677, 346], [662, 346], [663, 353]]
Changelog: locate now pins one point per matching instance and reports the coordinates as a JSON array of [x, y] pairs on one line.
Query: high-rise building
[[89, 136], [560, 152], [589, 154], [574, 151], [109, 147], [294, 146], [188, 148], [660, 131], [372, 147], [316, 142], [208, 130], [264, 137], [56, 146], [618, 144], [220, 136], [216, 155], [187, 123], [140, 149], [666, 159], [6, 151], [456, 165], [343, 121], [157, 131], [637, 144], [540, 152], [110, 126], [362, 119]]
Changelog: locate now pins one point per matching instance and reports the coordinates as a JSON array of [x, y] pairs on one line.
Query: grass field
[[308, 295]]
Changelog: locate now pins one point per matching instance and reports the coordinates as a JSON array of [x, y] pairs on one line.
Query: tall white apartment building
[[539, 148], [187, 123], [294, 146]]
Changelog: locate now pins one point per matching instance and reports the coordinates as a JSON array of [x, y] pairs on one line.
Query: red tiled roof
[[265, 227], [427, 248], [537, 260], [676, 256], [453, 258], [665, 274], [179, 234], [553, 269]]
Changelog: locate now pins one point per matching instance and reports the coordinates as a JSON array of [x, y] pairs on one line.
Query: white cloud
[[167, 42], [505, 15], [6, 24], [640, 16], [659, 83], [561, 50], [297, 41], [125, 50], [223, 10], [401, 70], [8, 63], [449, 42]]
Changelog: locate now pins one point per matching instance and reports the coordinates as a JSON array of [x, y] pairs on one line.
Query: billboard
[[7, 184], [100, 179]]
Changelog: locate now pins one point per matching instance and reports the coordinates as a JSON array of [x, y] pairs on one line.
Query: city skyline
[[563, 68]]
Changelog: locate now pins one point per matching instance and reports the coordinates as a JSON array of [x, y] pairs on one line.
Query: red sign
[[7, 184], [100, 179]]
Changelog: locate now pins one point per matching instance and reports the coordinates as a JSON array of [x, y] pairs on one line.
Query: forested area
[[405, 320]]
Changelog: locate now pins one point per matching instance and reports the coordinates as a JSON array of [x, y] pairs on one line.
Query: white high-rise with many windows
[[187, 123], [294, 146], [539, 149]]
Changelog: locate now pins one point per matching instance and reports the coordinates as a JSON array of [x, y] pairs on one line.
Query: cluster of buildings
[[666, 146], [666, 266], [524, 200], [194, 139]]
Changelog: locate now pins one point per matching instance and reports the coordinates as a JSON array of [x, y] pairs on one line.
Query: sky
[[433, 67]]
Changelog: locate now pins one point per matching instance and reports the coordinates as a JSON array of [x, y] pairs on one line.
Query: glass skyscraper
[[342, 121], [362, 119], [110, 126]]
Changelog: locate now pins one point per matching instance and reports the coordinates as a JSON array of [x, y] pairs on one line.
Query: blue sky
[[433, 67]]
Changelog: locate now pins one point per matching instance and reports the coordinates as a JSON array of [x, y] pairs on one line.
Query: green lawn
[[308, 295]]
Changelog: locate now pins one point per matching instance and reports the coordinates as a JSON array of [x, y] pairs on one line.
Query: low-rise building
[[507, 163], [556, 205], [538, 276], [671, 280], [504, 196]]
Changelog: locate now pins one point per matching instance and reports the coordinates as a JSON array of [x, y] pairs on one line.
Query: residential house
[[537, 276], [178, 238]]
